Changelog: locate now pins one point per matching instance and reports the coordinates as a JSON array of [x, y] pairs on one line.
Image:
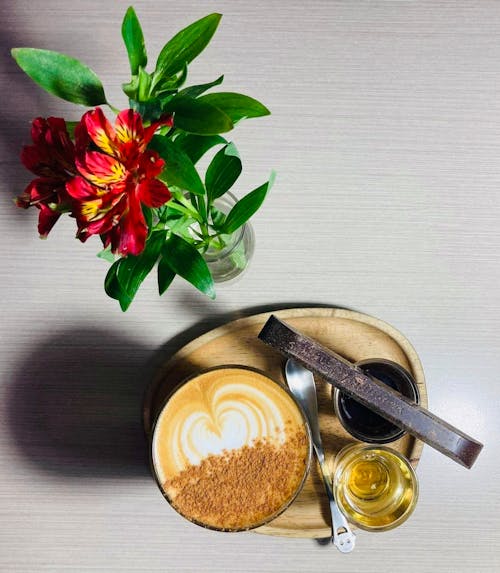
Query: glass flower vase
[[229, 255]]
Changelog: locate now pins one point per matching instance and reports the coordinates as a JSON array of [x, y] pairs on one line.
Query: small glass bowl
[[363, 423], [375, 486]]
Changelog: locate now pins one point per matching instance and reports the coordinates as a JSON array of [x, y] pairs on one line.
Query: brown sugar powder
[[243, 487]]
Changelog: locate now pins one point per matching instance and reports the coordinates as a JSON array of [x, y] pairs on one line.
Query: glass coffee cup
[[230, 448]]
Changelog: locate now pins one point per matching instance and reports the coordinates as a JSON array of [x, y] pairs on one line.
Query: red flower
[[52, 158], [114, 181]]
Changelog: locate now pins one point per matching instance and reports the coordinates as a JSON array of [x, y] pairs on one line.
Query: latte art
[[221, 410], [218, 429], [238, 416]]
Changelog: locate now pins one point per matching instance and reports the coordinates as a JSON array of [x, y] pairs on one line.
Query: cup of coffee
[[230, 448]]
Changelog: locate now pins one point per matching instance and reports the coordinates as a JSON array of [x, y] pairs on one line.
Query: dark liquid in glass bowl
[[362, 422]]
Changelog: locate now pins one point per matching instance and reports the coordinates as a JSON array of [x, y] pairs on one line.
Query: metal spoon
[[301, 383]]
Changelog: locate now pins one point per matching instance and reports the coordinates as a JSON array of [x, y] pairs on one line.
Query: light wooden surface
[[354, 335], [385, 135]]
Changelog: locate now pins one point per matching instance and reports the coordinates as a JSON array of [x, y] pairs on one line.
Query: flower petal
[[100, 130], [102, 170], [82, 139], [36, 159], [38, 127], [57, 137], [45, 191], [99, 216], [133, 232], [46, 220], [153, 192], [49, 198], [128, 127], [80, 189], [150, 164], [53, 152]]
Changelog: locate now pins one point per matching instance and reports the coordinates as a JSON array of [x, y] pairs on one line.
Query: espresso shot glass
[[363, 423]]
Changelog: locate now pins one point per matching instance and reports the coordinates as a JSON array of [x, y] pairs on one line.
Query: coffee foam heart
[[219, 411]]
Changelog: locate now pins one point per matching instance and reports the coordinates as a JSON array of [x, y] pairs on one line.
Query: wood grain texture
[[385, 133], [356, 336]]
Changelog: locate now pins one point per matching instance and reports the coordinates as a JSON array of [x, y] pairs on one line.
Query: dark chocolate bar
[[372, 393]]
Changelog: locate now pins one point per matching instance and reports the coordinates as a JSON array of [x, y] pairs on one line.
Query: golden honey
[[375, 487]]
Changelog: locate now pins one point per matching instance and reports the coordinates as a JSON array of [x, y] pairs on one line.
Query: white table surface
[[385, 135]]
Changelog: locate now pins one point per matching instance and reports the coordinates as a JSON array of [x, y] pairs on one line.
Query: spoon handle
[[342, 536]]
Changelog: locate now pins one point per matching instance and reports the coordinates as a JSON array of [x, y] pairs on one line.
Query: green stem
[[183, 200], [190, 213], [113, 108], [199, 235], [216, 240]]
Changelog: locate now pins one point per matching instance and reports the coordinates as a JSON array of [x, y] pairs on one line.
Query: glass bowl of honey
[[375, 486]]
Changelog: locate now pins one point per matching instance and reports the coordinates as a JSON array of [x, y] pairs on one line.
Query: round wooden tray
[[354, 335]]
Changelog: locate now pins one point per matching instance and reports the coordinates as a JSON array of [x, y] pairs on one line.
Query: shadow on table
[[74, 404], [75, 401]]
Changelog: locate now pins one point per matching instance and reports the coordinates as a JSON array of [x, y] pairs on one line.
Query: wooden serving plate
[[354, 335]]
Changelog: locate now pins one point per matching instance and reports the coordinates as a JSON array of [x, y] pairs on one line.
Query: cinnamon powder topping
[[242, 487]]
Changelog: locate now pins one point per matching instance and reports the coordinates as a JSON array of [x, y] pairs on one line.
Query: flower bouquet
[[134, 181]]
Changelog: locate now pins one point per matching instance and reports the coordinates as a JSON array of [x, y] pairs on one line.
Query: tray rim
[[284, 313]]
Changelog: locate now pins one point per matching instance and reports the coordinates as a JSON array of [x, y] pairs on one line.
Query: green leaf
[[218, 217], [195, 146], [236, 106], [178, 208], [165, 276], [150, 110], [144, 86], [200, 206], [222, 172], [131, 88], [132, 269], [246, 207], [180, 225], [185, 260], [186, 45], [195, 91], [179, 170], [113, 287], [170, 84], [148, 217], [61, 75], [195, 116], [134, 41]]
